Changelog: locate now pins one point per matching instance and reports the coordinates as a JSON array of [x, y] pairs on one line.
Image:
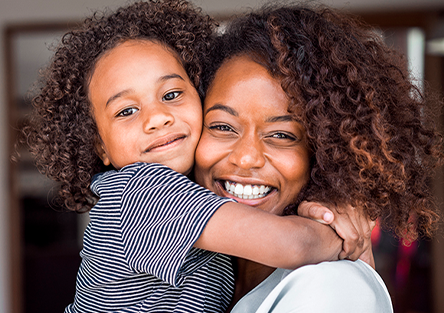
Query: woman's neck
[[247, 275]]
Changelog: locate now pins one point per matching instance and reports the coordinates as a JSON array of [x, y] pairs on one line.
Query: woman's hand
[[351, 224]]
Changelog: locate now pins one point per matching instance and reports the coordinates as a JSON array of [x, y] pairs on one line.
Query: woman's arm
[[277, 241]]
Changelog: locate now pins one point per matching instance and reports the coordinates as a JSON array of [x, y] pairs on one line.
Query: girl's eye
[[171, 96], [221, 127], [127, 112]]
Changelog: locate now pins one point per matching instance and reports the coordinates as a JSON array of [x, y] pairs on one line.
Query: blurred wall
[[27, 11]]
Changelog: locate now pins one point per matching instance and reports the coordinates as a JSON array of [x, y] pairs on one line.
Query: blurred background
[[40, 244]]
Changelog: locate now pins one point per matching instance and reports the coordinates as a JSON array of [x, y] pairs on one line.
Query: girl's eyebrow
[[170, 76], [118, 95], [127, 91], [222, 107]]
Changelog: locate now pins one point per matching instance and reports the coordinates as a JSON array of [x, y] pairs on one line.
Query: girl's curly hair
[[62, 132], [373, 144]]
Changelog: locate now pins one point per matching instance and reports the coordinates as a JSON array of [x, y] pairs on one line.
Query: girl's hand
[[351, 224]]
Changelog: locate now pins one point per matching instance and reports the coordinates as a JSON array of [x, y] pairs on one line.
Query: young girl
[[120, 95]]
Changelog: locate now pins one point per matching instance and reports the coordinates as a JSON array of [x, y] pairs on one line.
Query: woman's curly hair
[[372, 142], [62, 132]]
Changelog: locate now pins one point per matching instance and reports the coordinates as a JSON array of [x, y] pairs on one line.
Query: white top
[[340, 286]]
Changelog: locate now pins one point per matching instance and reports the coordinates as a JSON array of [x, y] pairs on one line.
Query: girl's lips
[[165, 141]]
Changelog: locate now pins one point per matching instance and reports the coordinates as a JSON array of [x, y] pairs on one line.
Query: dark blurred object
[[51, 256], [406, 270]]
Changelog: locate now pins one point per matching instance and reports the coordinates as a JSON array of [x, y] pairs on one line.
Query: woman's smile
[[246, 191], [251, 149], [253, 194]]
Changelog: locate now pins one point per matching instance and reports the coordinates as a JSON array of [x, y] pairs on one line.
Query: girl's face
[[251, 148], [145, 107]]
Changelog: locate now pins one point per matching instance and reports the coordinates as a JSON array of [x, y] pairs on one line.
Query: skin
[[145, 107], [147, 110], [350, 223]]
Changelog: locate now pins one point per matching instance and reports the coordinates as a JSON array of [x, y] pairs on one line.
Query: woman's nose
[[157, 116], [248, 154]]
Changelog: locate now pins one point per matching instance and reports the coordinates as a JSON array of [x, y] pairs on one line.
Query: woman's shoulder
[[340, 286], [337, 269]]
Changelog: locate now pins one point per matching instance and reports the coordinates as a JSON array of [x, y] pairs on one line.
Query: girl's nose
[[156, 117]]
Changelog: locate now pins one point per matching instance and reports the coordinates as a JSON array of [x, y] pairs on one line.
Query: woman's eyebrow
[[281, 118], [222, 107]]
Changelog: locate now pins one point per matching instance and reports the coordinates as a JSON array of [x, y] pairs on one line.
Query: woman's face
[[251, 148]]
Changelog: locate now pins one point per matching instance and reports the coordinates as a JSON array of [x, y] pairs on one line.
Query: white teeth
[[232, 188], [247, 191], [255, 190], [239, 189], [227, 186]]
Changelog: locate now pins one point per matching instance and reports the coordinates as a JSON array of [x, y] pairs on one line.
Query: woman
[[310, 104]]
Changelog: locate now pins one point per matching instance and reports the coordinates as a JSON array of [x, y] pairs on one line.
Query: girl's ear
[[102, 153]]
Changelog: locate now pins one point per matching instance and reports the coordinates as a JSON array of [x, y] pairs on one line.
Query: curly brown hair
[[373, 145], [62, 132]]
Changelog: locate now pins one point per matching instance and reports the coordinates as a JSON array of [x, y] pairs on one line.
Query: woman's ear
[[102, 153]]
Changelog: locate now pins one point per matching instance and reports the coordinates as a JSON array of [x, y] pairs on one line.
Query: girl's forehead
[[136, 57], [142, 42], [134, 42]]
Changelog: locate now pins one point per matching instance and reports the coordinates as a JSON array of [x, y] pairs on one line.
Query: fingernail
[[328, 217], [320, 221]]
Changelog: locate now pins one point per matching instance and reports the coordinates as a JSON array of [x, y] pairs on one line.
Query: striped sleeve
[[163, 213]]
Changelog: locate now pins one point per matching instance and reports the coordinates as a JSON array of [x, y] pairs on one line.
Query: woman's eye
[[221, 127], [127, 112], [171, 95], [283, 136]]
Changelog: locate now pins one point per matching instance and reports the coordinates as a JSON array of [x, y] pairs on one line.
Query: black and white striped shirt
[[138, 253]]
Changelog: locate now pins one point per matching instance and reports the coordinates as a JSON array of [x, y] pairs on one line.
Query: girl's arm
[[351, 224], [277, 241]]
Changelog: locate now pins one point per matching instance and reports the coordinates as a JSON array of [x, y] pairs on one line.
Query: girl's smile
[[165, 143]]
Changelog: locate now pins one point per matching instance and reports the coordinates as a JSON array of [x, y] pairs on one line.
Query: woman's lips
[[246, 191]]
